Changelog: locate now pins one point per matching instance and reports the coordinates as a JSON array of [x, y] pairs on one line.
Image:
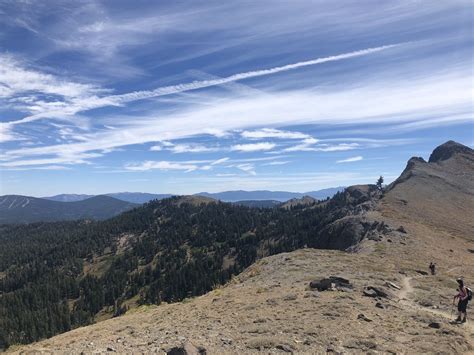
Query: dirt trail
[[404, 296], [406, 289]]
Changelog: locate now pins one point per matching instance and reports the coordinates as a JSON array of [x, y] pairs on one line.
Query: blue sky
[[183, 97]]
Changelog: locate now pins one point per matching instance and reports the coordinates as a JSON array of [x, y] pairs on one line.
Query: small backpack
[[469, 293]]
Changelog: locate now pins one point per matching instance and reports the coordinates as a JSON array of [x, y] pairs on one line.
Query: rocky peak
[[447, 150]]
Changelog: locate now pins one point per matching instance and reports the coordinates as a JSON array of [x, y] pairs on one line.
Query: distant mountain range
[[282, 196], [25, 209], [226, 196], [133, 197]]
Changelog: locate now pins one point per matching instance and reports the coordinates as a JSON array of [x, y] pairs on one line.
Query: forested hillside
[[57, 276], [27, 209]]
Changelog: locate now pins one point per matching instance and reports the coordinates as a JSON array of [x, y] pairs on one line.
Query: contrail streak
[[116, 100], [175, 89]]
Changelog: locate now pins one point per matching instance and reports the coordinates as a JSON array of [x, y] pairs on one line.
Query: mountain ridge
[[226, 196], [25, 209]]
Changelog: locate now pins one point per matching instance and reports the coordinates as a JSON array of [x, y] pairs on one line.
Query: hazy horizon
[[172, 193]]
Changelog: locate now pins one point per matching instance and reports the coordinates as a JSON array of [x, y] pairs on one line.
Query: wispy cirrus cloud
[[42, 167], [220, 161], [184, 148], [65, 158], [56, 109], [350, 160], [274, 163], [247, 167], [274, 133], [253, 147], [305, 145], [188, 166], [399, 102], [161, 165], [18, 81]]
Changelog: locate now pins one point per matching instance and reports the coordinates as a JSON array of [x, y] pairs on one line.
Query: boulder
[[372, 291], [434, 325], [369, 293], [364, 318], [402, 230], [330, 283], [285, 348], [379, 305], [186, 349]]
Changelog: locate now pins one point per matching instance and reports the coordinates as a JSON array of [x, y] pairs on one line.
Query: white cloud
[[350, 160], [191, 148], [220, 161], [336, 148], [304, 146], [16, 79], [309, 145], [274, 133], [81, 158], [184, 148], [187, 166], [161, 165], [248, 168], [253, 147], [276, 163], [6, 135], [45, 167]]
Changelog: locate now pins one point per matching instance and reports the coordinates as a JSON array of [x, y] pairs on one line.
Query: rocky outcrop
[[344, 232], [359, 194], [186, 349], [330, 283], [447, 150], [347, 232]]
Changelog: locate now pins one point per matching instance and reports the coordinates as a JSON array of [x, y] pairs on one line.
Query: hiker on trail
[[463, 299], [433, 268]]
